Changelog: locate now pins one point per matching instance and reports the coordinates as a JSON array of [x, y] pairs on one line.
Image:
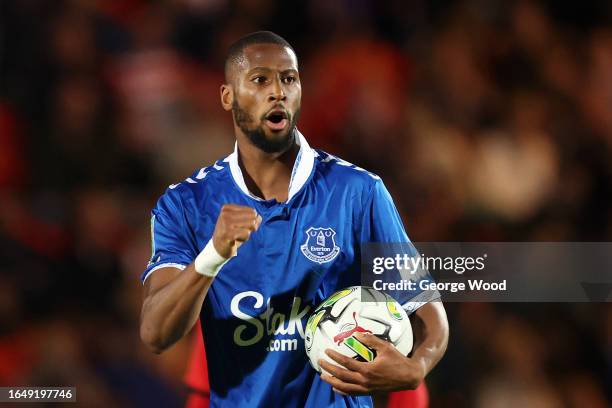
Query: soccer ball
[[356, 309]]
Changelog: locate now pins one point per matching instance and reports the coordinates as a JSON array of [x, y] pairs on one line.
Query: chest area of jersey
[[293, 245]]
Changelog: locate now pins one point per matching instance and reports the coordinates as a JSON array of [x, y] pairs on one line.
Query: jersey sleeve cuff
[[419, 300], [164, 265]]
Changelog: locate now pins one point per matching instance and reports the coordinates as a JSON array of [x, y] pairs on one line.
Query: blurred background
[[489, 120]]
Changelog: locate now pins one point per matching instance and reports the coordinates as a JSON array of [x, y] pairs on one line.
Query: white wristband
[[209, 262]]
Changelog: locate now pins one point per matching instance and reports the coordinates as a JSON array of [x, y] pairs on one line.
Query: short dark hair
[[236, 50]]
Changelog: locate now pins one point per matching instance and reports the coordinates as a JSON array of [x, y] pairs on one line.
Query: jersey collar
[[302, 168]]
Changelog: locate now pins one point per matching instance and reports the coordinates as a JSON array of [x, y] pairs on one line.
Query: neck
[[266, 175]]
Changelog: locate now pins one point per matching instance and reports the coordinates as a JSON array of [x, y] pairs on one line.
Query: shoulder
[[198, 185], [339, 170]]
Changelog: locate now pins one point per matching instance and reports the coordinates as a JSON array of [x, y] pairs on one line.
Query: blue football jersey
[[306, 248]]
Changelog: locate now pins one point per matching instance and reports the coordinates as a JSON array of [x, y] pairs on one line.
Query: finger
[[248, 215], [258, 222], [242, 235], [237, 208], [341, 373], [343, 387], [244, 225], [371, 340], [241, 217], [241, 221], [345, 361]]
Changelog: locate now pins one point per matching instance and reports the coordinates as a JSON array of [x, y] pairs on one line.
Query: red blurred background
[[488, 121]]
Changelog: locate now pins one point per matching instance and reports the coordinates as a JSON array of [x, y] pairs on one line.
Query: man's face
[[267, 96]]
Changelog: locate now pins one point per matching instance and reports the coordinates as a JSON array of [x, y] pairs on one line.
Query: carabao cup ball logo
[[320, 246], [392, 308]]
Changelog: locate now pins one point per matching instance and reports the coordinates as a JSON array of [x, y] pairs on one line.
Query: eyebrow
[[265, 69]]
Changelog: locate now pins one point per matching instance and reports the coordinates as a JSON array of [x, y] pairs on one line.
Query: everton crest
[[320, 246]]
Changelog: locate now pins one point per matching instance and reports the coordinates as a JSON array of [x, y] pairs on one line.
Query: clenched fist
[[234, 226]]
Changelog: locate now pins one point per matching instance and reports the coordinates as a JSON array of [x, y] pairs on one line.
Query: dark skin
[[265, 80], [390, 370], [173, 299]]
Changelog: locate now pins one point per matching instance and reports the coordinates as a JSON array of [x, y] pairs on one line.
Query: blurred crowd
[[488, 120]]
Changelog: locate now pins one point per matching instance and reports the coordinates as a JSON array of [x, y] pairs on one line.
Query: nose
[[277, 94]]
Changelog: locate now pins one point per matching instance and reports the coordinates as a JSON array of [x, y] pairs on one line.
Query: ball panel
[[355, 309]]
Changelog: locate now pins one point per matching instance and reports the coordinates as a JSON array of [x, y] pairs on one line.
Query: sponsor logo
[[284, 330], [346, 336], [320, 246], [346, 332]]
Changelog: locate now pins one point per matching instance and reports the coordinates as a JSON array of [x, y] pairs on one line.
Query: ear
[[227, 96]]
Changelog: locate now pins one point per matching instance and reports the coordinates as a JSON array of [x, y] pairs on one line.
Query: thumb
[[370, 340], [235, 247]]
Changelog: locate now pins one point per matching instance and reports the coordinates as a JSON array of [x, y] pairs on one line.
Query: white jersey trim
[[421, 299], [164, 265], [302, 168]]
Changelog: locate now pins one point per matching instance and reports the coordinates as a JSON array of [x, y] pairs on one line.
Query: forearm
[[430, 327], [170, 313], [390, 370], [173, 300]]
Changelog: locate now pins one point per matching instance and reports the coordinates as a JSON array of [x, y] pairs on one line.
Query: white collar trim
[[302, 168]]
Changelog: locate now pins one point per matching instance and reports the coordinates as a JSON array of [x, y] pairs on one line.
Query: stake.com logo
[[268, 322]]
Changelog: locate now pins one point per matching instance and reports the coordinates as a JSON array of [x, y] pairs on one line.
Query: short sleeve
[[170, 246], [382, 231]]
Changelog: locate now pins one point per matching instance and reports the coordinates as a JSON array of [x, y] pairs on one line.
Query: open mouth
[[277, 119]]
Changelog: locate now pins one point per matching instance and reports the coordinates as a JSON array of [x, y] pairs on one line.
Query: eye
[[260, 79], [289, 79]]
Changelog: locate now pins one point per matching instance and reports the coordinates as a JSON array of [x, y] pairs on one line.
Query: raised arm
[[173, 298]]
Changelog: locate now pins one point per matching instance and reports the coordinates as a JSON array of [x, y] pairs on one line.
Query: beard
[[257, 135]]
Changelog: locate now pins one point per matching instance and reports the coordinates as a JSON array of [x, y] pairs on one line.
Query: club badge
[[320, 246]]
